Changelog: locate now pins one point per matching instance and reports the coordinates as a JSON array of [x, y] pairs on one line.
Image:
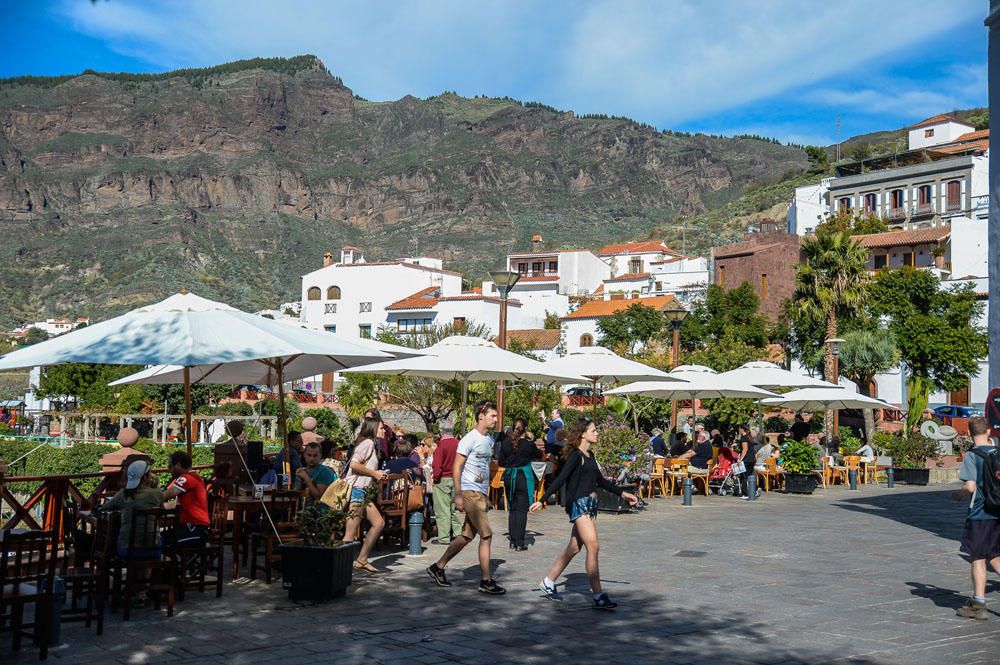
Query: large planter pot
[[911, 476], [317, 573], [800, 483], [612, 503]]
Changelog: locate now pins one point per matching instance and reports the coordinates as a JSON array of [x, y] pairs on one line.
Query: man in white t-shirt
[[472, 481]]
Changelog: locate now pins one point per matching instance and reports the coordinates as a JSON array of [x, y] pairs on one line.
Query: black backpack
[[991, 480]]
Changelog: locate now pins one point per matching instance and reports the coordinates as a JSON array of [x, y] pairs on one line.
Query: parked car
[[952, 411], [581, 391]]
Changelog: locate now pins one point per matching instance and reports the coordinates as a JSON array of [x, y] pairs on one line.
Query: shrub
[[908, 452], [799, 457], [776, 424], [618, 445]]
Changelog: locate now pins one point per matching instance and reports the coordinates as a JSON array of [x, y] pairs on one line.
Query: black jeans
[[517, 510]]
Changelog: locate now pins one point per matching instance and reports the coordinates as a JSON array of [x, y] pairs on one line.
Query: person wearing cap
[[140, 494]]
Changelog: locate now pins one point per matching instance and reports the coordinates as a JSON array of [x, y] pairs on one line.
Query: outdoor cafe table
[[241, 506]]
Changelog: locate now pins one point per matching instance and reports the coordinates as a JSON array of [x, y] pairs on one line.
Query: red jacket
[[444, 458]]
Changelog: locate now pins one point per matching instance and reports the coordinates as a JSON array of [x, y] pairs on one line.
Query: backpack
[[991, 480]]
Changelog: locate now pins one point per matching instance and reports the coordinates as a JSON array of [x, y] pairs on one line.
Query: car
[[954, 411], [581, 391]]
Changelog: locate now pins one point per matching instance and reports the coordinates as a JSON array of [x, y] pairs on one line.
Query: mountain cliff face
[[233, 181]]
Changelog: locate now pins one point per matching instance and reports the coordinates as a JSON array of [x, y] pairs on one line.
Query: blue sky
[[782, 68]]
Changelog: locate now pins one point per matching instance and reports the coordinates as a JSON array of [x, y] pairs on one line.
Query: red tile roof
[[645, 247], [598, 309], [541, 338], [974, 136], [547, 251], [599, 289], [978, 147], [629, 277], [478, 296], [908, 237], [539, 278], [936, 120], [423, 299]]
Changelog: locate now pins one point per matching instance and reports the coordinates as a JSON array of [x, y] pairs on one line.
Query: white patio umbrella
[[822, 399], [700, 382], [769, 376], [601, 365], [193, 332], [468, 359]]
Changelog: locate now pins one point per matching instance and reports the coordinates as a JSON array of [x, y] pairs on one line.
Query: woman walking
[[362, 469], [516, 454], [581, 477], [746, 453]]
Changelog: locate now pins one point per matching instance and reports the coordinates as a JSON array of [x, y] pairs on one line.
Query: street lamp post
[[675, 315], [834, 344], [504, 281]]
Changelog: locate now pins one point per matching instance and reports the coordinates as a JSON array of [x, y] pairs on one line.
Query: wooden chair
[[27, 573], [196, 560], [658, 477], [392, 501], [701, 478], [157, 575], [770, 473], [496, 486], [86, 574], [870, 471], [852, 463], [265, 541], [677, 470]]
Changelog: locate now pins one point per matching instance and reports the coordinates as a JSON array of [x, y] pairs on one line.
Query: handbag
[[415, 501], [337, 495]]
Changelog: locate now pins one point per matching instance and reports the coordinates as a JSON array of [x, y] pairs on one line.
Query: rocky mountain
[[116, 189]]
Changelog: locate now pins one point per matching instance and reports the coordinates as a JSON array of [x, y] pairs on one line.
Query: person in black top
[[702, 454], [680, 445], [800, 428], [515, 455], [746, 454], [580, 477]]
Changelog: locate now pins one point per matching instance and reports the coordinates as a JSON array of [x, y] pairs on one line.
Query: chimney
[[327, 259], [536, 242]]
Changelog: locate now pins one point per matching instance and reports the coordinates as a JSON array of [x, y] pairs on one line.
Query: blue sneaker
[[550, 592], [602, 602]]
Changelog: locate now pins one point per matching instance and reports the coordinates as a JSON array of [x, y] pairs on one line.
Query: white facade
[[578, 272], [809, 208], [538, 296], [936, 131], [969, 247], [350, 298], [53, 327], [580, 326], [636, 257]]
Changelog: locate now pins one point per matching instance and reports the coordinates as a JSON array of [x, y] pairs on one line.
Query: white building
[[580, 326], [53, 327], [631, 258], [935, 131], [809, 207]]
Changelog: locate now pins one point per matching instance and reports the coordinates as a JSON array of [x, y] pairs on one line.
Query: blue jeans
[[585, 505], [357, 495]]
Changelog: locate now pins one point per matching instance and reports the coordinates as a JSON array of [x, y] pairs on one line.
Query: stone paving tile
[[868, 577]]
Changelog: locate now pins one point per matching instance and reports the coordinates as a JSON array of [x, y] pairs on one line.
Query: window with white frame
[[365, 307]]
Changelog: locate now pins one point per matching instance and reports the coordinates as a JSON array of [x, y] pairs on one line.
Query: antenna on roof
[[838, 137]]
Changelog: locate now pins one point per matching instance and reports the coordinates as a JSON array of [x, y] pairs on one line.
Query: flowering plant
[[619, 449]]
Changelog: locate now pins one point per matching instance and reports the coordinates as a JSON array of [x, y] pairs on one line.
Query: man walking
[[471, 472], [981, 537], [447, 518]]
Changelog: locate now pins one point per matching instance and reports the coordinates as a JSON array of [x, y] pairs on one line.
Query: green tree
[[819, 159], [87, 384], [935, 331], [725, 315], [202, 394], [864, 354], [854, 222], [552, 321], [623, 331], [861, 152], [34, 336]]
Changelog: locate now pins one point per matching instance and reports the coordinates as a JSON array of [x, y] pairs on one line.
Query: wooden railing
[[583, 400], [53, 493]]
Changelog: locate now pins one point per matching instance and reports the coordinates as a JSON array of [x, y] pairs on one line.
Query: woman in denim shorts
[[362, 470], [579, 479]]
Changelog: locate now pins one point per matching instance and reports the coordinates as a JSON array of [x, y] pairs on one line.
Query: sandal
[[366, 566]]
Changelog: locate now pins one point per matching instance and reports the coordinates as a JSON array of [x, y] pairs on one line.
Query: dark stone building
[[766, 260]]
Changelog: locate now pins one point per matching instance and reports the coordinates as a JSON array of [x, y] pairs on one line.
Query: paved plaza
[[871, 576]]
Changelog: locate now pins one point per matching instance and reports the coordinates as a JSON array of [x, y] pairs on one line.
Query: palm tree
[[864, 354], [831, 282]]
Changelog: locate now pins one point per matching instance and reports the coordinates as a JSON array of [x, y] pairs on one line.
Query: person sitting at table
[[657, 443], [680, 446], [314, 477], [402, 449], [701, 455], [140, 494], [295, 448], [866, 452], [192, 499]]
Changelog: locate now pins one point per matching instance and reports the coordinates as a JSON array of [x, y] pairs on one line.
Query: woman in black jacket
[[515, 455], [581, 477]]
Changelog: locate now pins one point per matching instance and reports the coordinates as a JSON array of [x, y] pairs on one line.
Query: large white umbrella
[[822, 399], [769, 376], [602, 365], [192, 332], [465, 359], [700, 382]]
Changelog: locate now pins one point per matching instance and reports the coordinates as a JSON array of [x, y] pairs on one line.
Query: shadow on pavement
[[930, 510]]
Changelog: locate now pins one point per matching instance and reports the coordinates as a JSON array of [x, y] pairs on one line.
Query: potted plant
[[320, 566], [909, 456], [939, 251], [799, 461], [620, 453]]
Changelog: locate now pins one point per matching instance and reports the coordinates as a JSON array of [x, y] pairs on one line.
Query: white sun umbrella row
[[203, 337], [468, 359]]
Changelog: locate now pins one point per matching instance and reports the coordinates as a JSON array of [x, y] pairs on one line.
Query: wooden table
[[240, 506]]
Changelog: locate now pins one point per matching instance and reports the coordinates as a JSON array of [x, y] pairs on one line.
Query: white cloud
[[662, 62]]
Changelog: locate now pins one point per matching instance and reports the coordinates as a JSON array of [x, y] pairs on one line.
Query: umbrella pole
[[279, 370], [593, 397], [188, 434], [465, 403]]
